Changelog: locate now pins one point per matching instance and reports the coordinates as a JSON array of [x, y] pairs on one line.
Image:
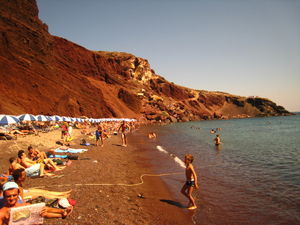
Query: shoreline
[[93, 180]]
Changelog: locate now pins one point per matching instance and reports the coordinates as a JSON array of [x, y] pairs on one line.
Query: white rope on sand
[[118, 184], [122, 184]]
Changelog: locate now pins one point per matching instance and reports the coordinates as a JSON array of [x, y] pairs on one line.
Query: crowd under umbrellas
[[11, 119], [12, 126]]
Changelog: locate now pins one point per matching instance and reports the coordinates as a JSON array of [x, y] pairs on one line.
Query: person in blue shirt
[[99, 135]]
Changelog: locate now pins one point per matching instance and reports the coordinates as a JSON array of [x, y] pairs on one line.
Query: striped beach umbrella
[[49, 118], [27, 117], [66, 119], [56, 118], [6, 120], [41, 118]]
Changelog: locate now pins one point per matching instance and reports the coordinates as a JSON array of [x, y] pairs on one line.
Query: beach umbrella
[[56, 118], [78, 119], [49, 118], [41, 118], [6, 120], [27, 117], [66, 119]]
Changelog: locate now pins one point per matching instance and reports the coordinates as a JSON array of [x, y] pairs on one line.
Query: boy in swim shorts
[[191, 181]]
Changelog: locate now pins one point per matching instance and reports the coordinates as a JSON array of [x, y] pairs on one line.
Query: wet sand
[[94, 178]]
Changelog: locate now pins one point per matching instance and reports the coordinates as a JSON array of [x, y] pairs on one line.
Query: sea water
[[252, 178]]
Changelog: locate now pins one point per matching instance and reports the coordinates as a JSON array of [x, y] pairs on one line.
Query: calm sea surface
[[253, 178]]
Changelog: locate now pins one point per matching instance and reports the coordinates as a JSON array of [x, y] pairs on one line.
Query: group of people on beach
[[101, 133], [12, 194], [36, 163]]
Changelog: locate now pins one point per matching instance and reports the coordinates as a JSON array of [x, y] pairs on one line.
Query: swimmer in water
[[152, 135], [217, 140]]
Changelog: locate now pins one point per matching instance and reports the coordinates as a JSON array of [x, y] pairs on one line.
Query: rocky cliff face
[[45, 74]]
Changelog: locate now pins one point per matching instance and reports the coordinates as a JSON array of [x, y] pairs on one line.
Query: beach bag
[[58, 162], [59, 143], [37, 200], [82, 141], [53, 202], [69, 139], [72, 157]]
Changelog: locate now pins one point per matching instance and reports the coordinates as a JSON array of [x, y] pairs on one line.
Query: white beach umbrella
[[27, 117], [41, 118], [6, 120]]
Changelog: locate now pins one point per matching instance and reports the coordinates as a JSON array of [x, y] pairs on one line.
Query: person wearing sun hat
[[11, 196]]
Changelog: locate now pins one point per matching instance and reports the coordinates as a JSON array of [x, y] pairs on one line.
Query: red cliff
[[45, 74]]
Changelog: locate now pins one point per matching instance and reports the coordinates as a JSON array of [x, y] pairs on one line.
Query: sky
[[242, 47]]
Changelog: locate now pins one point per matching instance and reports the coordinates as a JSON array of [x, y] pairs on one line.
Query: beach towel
[[58, 156], [8, 177], [86, 144], [70, 150]]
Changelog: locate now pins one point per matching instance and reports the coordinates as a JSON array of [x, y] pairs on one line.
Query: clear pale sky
[[243, 47]]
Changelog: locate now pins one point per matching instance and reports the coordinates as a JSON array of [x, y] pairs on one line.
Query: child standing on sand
[[99, 135], [191, 181]]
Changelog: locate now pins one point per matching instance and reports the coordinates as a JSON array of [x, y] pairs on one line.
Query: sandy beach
[[105, 182]]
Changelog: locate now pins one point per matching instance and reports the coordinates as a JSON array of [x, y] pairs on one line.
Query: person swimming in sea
[[217, 140]]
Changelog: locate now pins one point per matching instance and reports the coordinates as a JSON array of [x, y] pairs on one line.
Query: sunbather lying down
[[37, 156], [35, 192]]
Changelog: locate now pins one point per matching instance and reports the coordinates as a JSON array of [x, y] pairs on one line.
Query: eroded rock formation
[[45, 74]]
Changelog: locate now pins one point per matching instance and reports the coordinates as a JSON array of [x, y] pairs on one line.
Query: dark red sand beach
[[93, 180]]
